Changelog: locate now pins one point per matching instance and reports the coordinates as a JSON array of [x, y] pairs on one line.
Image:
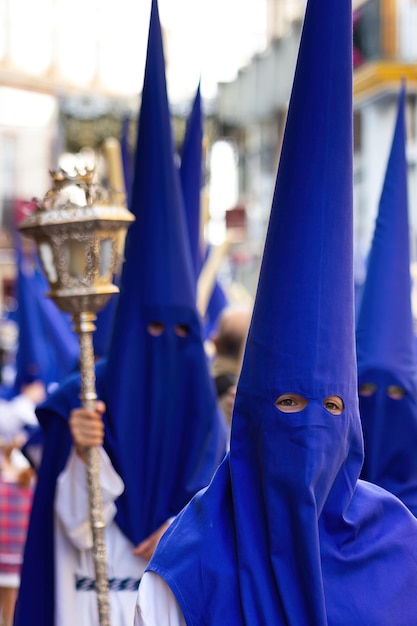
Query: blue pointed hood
[[48, 349], [126, 154], [303, 314], [191, 174], [300, 539], [161, 400], [385, 327], [385, 338], [156, 199], [300, 468], [218, 301]]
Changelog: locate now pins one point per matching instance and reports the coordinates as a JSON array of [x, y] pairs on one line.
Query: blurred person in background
[[16, 489], [45, 350], [229, 343]]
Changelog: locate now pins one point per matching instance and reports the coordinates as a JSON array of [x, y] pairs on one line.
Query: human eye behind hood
[[290, 403]]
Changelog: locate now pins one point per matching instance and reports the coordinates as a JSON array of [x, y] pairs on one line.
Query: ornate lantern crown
[[79, 230]]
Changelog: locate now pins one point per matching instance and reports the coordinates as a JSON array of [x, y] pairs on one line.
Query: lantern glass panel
[[76, 255], [104, 268], [47, 258]]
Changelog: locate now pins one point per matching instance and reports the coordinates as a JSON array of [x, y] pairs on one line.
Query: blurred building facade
[[252, 109], [62, 88]]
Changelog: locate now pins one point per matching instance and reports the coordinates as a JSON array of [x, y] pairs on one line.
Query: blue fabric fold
[[286, 533], [385, 337], [192, 178], [48, 349]]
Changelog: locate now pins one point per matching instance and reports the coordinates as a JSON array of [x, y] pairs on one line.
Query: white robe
[[156, 605], [15, 414], [73, 543]]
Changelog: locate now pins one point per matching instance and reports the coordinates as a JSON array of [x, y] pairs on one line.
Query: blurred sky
[[211, 38]]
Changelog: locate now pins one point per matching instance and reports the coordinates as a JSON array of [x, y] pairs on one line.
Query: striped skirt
[[15, 507]]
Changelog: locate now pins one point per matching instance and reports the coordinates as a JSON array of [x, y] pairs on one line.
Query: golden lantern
[[79, 229]]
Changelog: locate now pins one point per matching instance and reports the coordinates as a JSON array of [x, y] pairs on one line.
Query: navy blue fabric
[[127, 160], [36, 595], [191, 174], [48, 349], [217, 302], [160, 393], [384, 328], [385, 337], [286, 533], [163, 430], [35, 604]]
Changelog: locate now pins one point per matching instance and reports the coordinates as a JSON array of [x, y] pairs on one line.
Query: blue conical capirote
[[297, 535], [158, 238], [303, 314], [300, 468], [127, 159], [385, 338], [191, 172], [160, 397], [384, 332], [48, 349]]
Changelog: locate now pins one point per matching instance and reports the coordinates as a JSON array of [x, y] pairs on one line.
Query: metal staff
[[79, 231]]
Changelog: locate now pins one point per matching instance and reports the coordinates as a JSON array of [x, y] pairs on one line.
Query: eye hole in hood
[[156, 329], [395, 392], [294, 403], [182, 330]]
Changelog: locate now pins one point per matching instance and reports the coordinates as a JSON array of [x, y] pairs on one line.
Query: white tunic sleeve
[[71, 500], [15, 414], [156, 604]]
